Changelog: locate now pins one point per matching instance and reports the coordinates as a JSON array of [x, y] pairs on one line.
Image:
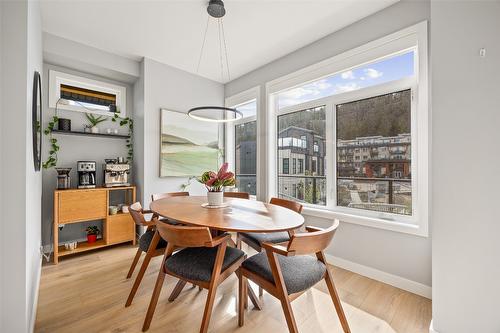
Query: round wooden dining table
[[240, 215]]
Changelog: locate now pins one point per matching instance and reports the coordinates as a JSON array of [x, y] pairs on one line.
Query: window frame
[[236, 100], [414, 37]]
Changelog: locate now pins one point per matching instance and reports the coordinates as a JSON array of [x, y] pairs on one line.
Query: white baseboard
[[373, 273], [431, 328], [35, 298]]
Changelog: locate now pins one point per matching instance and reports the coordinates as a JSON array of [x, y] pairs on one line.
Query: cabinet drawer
[[120, 228], [82, 205]]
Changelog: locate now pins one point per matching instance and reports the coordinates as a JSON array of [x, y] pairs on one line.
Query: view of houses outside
[[374, 153], [245, 135], [301, 156]]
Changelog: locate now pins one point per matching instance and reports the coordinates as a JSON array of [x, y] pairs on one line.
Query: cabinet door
[[75, 206], [120, 228]]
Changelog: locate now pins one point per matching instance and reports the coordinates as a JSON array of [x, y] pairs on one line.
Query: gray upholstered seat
[[197, 263], [146, 239], [275, 237], [299, 272]]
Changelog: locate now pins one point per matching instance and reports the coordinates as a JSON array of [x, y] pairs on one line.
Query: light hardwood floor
[[87, 293]]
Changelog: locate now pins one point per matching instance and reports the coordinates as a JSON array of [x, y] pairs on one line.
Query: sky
[[383, 71]]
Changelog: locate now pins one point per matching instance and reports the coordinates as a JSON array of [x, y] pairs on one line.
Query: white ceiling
[[171, 32]]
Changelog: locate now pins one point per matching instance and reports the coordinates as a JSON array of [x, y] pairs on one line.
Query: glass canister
[[63, 178]]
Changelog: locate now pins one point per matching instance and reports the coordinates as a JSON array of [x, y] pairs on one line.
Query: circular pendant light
[[216, 114]]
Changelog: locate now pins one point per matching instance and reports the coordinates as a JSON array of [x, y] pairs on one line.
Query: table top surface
[[241, 215]]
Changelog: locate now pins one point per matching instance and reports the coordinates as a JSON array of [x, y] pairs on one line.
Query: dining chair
[[286, 270], [204, 260], [150, 242], [255, 240], [145, 240], [239, 195], [138, 215]]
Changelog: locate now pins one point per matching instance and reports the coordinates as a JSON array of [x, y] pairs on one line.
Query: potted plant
[[92, 233], [94, 121], [214, 182]]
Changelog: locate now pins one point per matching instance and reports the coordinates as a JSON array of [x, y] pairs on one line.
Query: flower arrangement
[[214, 182]]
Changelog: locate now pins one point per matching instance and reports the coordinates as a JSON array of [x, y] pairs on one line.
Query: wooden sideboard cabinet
[[83, 205]]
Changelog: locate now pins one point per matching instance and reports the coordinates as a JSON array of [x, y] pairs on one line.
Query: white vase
[[215, 198], [94, 130]]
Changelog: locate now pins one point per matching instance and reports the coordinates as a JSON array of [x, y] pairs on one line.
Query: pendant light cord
[[225, 49], [202, 45]]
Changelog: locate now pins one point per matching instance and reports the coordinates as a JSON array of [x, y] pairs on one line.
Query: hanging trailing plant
[[130, 123], [54, 147]]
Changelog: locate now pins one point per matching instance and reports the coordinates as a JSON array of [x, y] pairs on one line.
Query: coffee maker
[[86, 174], [116, 172]]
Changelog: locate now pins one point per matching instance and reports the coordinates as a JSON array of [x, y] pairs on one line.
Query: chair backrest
[[295, 206], [239, 195], [136, 211], [183, 236], [314, 241], [158, 196]]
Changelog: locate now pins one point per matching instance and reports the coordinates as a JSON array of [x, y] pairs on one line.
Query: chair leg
[[261, 291], [242, 299], [207, 314], [154, 300], [287, 309], [177, 290], [134, 262], [336, 301], [144, 266]]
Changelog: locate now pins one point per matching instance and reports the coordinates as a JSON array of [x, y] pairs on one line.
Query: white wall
[[173, 89], [465, 163], [21, 185], [395, 253]]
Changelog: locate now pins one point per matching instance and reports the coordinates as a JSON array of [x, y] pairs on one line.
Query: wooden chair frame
[[315, 241], [240, 237], [239, 195], [183, 237], [152, 250]]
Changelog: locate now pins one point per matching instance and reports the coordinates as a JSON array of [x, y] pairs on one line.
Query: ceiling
[[171, 32]]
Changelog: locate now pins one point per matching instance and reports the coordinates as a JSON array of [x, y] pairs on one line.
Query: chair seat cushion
[[146, 239], [299, 272], [197, 263], [275, 237]]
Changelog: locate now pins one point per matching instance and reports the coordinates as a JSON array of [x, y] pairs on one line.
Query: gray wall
[[76, 148], [401, 254], [466, 121], [173, 89], [21, 185]]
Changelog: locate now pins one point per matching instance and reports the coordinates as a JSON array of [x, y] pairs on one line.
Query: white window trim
[[411, 37], [57, 78], [234, 101]]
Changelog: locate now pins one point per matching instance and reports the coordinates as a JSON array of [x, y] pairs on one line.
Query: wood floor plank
[[87, 293]]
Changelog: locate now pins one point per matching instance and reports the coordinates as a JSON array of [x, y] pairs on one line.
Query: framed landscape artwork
[[188, 147]]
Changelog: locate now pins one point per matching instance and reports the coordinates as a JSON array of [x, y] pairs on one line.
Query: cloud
[[349, 75], [373, 73], [347, 87]]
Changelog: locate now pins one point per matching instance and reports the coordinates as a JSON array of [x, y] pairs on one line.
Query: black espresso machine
[[86, 174]]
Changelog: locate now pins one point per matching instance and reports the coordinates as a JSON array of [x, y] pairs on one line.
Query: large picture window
[[353, 134]]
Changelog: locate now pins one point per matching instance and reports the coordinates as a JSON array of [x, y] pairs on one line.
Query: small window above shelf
[[103, 135]]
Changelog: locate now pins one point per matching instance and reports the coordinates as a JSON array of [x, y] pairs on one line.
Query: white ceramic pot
[[94, 130], [215, 198]]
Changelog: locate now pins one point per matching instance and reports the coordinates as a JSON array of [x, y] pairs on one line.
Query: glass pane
[[246, 157], [248, 109], [382, 71], [298, 134], [374, 153]]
